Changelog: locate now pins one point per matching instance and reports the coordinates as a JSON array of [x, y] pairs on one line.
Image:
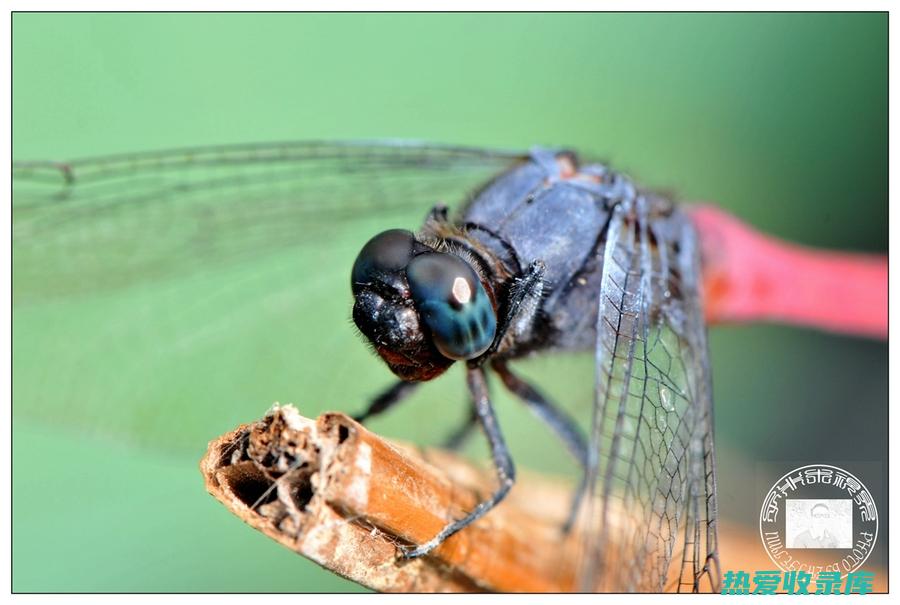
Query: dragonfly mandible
[[544, 252]]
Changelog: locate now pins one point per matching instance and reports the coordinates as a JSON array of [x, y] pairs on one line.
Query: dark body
[[550, 210], [537, 238], [533, 213], [534, 236]]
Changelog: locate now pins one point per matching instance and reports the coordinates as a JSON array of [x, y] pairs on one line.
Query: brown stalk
[[344, 497]]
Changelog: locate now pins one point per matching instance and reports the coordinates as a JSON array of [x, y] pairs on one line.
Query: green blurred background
[[781, 119]]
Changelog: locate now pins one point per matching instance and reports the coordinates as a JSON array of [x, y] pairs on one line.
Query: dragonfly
[[522, 252]]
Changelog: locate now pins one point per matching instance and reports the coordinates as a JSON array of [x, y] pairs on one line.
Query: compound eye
[[387, 252], [453, 304]]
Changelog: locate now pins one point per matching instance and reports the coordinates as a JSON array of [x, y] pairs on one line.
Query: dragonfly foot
[[575, 507], [414, 552]]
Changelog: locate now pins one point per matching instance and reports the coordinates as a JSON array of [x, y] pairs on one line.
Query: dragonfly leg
[[396, 393], [461, 434], [559, 422], [524, 301], [438, 213], [506, 472], [457, 438]]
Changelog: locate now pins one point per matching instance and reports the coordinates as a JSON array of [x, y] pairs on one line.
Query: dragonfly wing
[[100, 223], [163, 297], [651, 513]]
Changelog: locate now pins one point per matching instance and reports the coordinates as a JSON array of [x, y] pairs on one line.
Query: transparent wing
[[652, 508], [162, 298], [99, 223]]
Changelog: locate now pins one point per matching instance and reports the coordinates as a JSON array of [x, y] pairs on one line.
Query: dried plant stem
[[344, 497]]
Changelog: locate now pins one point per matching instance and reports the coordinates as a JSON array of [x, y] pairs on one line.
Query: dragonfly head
[[421, 309]]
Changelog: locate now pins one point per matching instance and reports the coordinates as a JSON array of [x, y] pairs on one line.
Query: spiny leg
[[399, 391], [396, 393], [524, 300], [521, 309], [559, 422], [506, 473], [458, 438]]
